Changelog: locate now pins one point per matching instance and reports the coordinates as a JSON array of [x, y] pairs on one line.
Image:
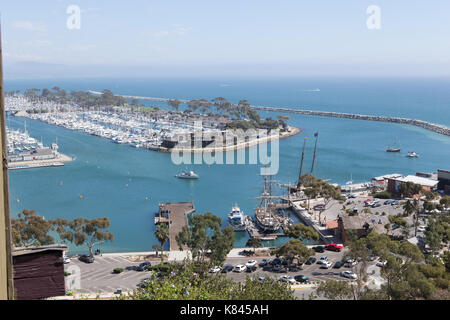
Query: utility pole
[[303, 159], [315, 153], [6, 272]]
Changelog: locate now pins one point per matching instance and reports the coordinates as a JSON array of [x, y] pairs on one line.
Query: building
[[39, 272], [383, 180], [444, 181], [355, 224], [426, 183]]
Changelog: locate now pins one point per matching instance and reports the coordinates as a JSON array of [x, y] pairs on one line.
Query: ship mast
[[315, 152], [301, 163]]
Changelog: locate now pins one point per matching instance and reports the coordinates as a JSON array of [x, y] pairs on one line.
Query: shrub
[[66, 274], [383, 195], [118, 270]]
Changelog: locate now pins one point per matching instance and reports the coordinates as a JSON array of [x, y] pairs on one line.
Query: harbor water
[[126, 184]]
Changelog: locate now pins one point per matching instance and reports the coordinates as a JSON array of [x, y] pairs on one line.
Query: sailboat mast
[[315, 153], [303, 159]]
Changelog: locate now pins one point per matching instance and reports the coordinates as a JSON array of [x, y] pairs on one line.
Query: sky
[[236, 38]]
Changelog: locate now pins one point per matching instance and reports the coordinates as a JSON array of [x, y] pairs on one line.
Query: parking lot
[[313, 271], [98, 276]]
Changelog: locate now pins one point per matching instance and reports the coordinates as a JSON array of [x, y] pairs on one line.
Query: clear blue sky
[[251, 37]]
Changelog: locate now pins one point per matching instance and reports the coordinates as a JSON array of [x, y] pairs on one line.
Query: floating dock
[[175, 215], [32, 164]]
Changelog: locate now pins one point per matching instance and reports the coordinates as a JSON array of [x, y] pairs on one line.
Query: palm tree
[[162, 235], [408, 207]]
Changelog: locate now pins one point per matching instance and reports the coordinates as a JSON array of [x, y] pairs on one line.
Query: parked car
[[334, 247], [215, 269], [66, 259], [251, 269], [301, 279], [293, 268], [279, 269], [381, 263], [338, 265], [376, 205], [143, 266], [288, 279], [86, 258], [349, 275], [422, 229], [264, 262], [319, 249], [350, 263], [227, 268], [319, 207], [311, 261], [251, 263], [275, 261], [326, 265], [261, 279], [240, 268], [324, 258], [395, 203], [388, 202], [372, 257]]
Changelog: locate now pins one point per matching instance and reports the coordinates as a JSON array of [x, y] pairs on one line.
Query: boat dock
[[175, 215], [58, 161]]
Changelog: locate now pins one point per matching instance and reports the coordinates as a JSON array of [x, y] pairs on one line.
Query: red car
[[334, 247]]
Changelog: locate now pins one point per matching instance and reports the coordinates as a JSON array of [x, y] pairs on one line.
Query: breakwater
[[414, 122], [437, 128]]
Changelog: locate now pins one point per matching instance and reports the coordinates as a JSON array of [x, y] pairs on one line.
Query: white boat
[[187, 175], [412, 155], [237, 219]]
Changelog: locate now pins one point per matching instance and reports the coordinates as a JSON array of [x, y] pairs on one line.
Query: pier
[[175, 215], [437, 128]]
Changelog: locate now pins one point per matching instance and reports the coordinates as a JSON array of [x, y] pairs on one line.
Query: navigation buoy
[[81, 197]]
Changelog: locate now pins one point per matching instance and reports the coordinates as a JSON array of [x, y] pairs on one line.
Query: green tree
[[295, 249], [205, 235], [82, 231], [254, 243], [335, 290], [302, 231], [162, 235], [31, 230]]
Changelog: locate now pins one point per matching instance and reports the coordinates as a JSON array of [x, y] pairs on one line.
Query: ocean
[[127, 184]]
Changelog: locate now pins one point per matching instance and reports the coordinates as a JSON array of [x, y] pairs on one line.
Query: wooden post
[[6, 272]]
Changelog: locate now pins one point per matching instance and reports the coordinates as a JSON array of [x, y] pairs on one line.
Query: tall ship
[[237, 219], [267, 218]]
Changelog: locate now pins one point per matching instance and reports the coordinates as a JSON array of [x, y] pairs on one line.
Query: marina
[[155, 130], [25, 152]]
